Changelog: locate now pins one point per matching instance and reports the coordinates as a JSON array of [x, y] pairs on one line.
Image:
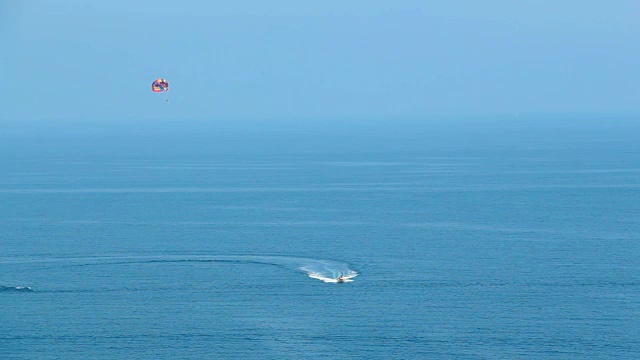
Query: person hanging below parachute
[[160, 85]]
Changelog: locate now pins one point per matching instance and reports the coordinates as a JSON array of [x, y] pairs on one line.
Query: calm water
[[470, 240]]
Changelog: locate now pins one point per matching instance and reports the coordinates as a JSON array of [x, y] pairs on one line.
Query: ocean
[[463, 239]]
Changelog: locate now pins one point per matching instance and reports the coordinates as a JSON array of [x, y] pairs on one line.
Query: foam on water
[[347, 277]]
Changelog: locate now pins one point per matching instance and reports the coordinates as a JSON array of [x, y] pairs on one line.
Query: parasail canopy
[[160, 85]]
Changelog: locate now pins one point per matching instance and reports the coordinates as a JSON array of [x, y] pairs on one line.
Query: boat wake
[[324, 270], [345, 277], [16, 289]]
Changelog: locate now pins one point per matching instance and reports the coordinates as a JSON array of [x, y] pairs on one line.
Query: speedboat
[[340, 279]]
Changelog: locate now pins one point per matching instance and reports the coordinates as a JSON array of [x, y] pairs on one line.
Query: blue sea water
[[470, 239]]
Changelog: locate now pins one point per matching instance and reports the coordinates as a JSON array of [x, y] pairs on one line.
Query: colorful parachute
[[160, 85]]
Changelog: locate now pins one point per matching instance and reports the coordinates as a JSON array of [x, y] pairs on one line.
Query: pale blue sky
[[292, 59]]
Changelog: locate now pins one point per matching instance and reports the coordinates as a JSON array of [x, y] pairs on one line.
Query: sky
[[303, 60]]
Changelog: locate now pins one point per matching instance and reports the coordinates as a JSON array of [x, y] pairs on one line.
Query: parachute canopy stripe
[[160, 85]]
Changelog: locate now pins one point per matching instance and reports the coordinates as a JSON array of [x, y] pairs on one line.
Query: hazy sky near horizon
[[286, 59]]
